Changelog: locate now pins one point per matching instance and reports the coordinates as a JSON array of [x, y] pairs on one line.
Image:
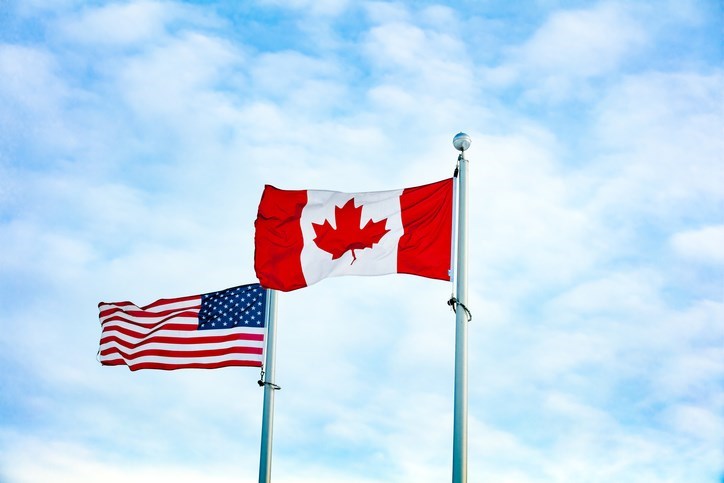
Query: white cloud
[[526, 213], [32, 461], [582, 43], [169, 78], [659, 145], [688, 344], [121, 24], [37, 7], [28, 77], [387, 12], [569, 50], [619, 292], [702, 245], [33, 97], [325, 8], [299, 82], [421, 57], [697, 421]]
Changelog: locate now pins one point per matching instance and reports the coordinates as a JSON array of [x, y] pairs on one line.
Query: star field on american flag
[[235, 307]]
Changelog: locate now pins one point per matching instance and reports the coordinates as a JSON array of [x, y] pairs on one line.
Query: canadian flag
[[304, 236]]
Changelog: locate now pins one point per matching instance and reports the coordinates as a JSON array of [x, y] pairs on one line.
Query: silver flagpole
[[461, 141], [267, 421]]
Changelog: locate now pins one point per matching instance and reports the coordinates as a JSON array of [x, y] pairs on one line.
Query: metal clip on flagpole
[[461, 141], [267, 421], [263, 383]]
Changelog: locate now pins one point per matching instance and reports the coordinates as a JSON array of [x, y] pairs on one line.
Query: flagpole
[[267, 421], [461, 141]]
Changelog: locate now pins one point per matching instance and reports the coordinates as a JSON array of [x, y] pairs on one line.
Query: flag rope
[[453, 303]]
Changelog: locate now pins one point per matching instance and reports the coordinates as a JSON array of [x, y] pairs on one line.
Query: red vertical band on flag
[[278, 239], [424, 248]]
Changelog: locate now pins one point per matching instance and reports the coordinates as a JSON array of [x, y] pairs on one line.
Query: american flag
[[208, 331]]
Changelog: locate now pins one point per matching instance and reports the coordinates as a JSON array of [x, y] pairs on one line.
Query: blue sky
[[136, 138]]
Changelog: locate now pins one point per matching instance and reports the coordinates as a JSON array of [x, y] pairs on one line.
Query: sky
[[136, 138]]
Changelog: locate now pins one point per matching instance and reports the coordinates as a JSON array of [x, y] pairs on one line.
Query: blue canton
[[242, 306]]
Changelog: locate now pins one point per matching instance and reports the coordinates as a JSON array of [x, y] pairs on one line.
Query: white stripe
[[180, 361], [170, 304], [192, 322], [186, 334], [148, 317], [185, 347]]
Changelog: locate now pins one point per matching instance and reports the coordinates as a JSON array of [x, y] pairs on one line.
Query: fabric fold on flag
[[208, 331], [304, 236]]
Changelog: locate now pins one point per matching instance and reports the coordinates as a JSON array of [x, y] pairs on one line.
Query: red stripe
[[278, 239], [152, 304], [425, 246], [172, 301], [191, 314], [104, 314], [183, 340], [187, 365], [113, 310], [142, 335], [181, 353]]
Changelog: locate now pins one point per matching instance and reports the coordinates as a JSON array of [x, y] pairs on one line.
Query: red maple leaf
[[348, 235]]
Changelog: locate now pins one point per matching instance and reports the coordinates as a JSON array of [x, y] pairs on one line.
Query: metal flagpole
[[461, 141], [267, 421]]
